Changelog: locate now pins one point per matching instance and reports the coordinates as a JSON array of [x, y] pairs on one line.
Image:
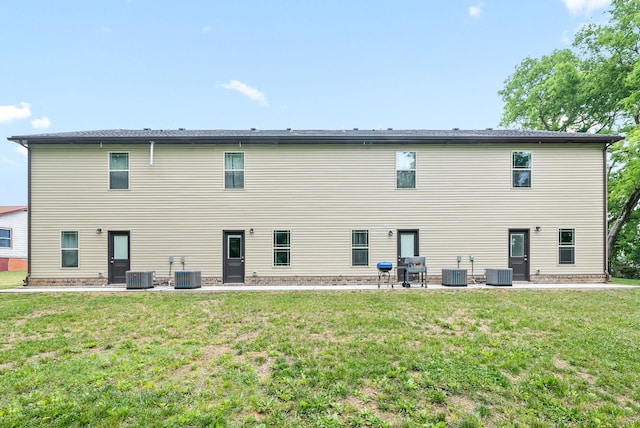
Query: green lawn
[[389, 358], [12, 279], [625, 281]]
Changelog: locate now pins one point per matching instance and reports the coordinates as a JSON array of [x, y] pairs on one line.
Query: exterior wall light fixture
[[98, 231], [391, 233]]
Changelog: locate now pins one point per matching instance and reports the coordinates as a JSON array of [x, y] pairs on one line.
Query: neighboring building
[[13, 238], [297, 207]]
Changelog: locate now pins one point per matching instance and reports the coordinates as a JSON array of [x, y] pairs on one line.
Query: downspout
[[25, 144], [152, 143], [605, 215]]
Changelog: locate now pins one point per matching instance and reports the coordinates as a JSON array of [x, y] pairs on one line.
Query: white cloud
[[247, 91], [11, 113], [585, 7], [207, 29], [475, 11], [41, 123], [22, 150]]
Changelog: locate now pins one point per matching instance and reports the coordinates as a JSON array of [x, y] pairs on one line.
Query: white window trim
[[574, 246], [77, 248], [224, 171], [274, 248], [530, 169], [368, 248], [109, 170], [415, 170], [10, 247]]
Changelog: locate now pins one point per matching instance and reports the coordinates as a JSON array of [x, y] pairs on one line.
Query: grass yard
[[390, 358], [12, 279], [625, 281]]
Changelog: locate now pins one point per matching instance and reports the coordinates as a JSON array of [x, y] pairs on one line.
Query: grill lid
[[385, 266]]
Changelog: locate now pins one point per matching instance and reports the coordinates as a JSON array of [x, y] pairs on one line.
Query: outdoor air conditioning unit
[[188, 279], [499, 276], [454, 277], [139, 279]]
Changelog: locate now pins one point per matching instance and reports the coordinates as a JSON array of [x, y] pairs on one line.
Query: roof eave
[[330, 139]]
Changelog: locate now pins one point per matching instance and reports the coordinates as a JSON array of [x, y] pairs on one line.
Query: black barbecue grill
[[413, 266], [384, 269]]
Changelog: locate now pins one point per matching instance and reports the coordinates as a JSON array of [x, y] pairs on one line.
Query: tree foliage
[[556, 93], [624, 197], [593, 87]]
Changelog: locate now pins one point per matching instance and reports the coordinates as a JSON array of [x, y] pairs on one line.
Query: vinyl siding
[[463, 205]]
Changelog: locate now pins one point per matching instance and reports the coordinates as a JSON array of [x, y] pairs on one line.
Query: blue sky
[[73, 65]]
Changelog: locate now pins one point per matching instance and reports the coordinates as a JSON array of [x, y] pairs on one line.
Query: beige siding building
[[322, 207]]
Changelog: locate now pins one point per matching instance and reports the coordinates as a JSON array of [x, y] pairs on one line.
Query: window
[[234, 246], [5, 238], [118, 171], [359, 248], [69, 249], [406, 170], [521, 169], [234, 170], [517, 245], [567, 246], [282, 248]]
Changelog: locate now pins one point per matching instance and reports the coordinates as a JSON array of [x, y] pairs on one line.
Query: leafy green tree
[[614, 51], [624, 197], [594, 87], [556, 93]]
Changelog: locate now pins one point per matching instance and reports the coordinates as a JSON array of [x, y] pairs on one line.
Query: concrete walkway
[[231, 288]]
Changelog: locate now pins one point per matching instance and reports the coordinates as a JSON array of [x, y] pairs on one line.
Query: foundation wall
[[12, 264], [321, 280]]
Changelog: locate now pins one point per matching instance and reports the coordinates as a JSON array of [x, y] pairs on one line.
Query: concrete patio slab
[[244, 288]]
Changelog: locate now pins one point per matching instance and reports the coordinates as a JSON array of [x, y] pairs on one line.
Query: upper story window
[[282, 248], [567, 246], [521, 169], [69, 249], [406, 170], [359, 248], [118, 171], [5, 238], [234, 170]]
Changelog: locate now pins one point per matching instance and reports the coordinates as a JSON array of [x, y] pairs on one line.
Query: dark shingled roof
[[290, 136]]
